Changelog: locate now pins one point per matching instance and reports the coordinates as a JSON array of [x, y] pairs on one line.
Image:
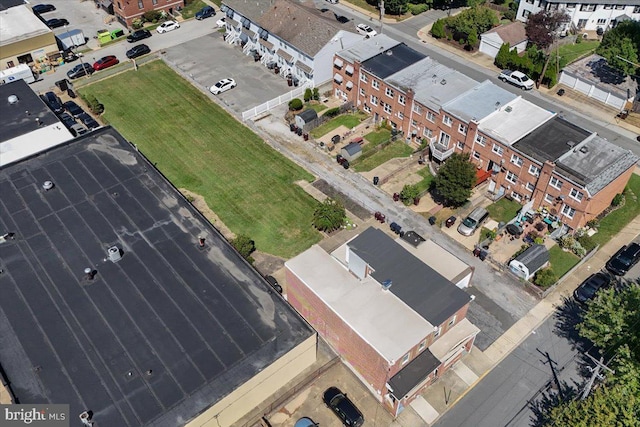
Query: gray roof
[[201, 320], [392, 60], [413, 374], [479, 101], [432, 83], [253, 9], [551, 140], [13, 117], [596, 71], [534, 257], [308, 115], [419, 286], [352, 148], [367, 48]]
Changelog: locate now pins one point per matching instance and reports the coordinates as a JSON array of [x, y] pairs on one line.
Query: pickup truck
[[516, 78]]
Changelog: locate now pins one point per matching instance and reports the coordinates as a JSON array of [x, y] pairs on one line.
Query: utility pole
[[595, 373]]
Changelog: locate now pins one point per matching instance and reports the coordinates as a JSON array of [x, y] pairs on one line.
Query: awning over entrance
[[413, 374]]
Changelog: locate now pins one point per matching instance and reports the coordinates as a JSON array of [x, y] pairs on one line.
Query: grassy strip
[[561, 261], [198, 146], [611, 224]]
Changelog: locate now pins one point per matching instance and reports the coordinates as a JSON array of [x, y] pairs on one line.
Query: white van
[[21, 72]]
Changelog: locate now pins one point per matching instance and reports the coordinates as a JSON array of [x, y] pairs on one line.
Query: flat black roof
[[551, 140], [419, 286], [413, 374], [20, 118], [156, 337], [392, 60]]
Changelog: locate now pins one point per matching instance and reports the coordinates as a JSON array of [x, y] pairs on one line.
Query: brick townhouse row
[[528, 153]]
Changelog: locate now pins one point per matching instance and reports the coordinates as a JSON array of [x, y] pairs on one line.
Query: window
[[460, 145], [444, 139], [436, 332], [548, 198], [373, 100], [400, 115], [462, 129], [405, 358], [602, 21], [363, 78], [422, 345], [447, 120], [555, 183], [575, 194], [587, 7], [401, 99], [534, 170], [375, 84], [568, 211], [452, 321], [511, 177], [140, 4], [431, 117], [497, 149], [362, 92], [530, 187], [389, 92], [481, 140], [476, 155], [387, 108], [516, 160]]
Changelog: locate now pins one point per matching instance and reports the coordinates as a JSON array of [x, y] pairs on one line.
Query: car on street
[[105, 62], [624, 259], [88, 121], [222, 86], [56, 22], [53, 102], [588, 289], [167, 26], [139, 50], [74, 109], [221, 23], [80, 70], [43, 8], [366, 30], [205, 12], [138, 35], [340, 404]]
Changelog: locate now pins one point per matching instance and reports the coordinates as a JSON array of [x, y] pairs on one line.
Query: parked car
[[105, 62], [340, 404], [366, 30], [88, 121], [473, 221], [221, 23], [139, 50], [205, 12], [138, 35], [53, 102], [167, 26], [222, 86], [624, 259], [56, 22], [588, 289], [74, 109], [43, 8], [80, 70]]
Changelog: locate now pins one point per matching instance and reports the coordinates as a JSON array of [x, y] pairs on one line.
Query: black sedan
[[588, 289], [74, 109], [43, 8], [56, 22], [139, 50], [138, 35], [80, 70], [624, 259], [344, 408], [88, 121]]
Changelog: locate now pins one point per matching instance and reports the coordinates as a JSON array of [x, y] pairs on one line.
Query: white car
[[167, 26], [222, 86], [221, 23], [366, 30]]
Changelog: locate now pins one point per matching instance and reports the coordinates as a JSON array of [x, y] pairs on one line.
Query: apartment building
[[585, 14]]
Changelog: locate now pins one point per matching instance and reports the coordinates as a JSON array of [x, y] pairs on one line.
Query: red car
[[106, 62]]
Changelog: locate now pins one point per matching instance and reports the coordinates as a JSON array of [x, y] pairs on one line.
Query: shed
[[351, 151], [307, 116], [514, 34], [530, 261]]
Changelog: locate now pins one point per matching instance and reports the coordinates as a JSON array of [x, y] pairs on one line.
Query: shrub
[[245, 246], [332, 112], [545, 278], [295, 104], [617, 200], [307, 95], [152, 15]]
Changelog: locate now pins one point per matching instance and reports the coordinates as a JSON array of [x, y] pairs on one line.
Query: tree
[[437, 30], [409, 193], [245, 246], [621, 46], [542, 27], [455, 180], [329, 215]]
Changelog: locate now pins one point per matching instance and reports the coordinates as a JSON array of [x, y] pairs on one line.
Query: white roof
[[378, 316], [19, 23], [33, 142], [514, 120]]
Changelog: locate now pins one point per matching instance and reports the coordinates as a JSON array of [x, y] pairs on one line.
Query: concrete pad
[[465, 374], [424, 410]]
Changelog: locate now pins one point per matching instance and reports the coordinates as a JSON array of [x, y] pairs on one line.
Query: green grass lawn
[[427, 178], [618, 219], [561, 261], [190, 10], [391, 151], [571, 52], [504, 210], [348, 120], [198, 146]]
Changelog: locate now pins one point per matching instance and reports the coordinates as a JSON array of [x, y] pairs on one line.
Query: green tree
[[437, 30], [621, 46], [245, 246], [409, 193], [455, 180], [329, 215]]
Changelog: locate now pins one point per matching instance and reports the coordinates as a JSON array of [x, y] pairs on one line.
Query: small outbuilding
[[530, 261], [305, 117], [514, 34], [351, 151]]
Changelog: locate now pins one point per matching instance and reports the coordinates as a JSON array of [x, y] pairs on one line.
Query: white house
[[585, 14], [513, 33]]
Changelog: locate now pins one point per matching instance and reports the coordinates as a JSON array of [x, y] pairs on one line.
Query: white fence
[[259, 109]]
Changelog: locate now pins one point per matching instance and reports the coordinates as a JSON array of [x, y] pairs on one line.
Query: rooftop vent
[[584, 150], [12, 99], [386, 285], [47, 185], [114, 254]]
